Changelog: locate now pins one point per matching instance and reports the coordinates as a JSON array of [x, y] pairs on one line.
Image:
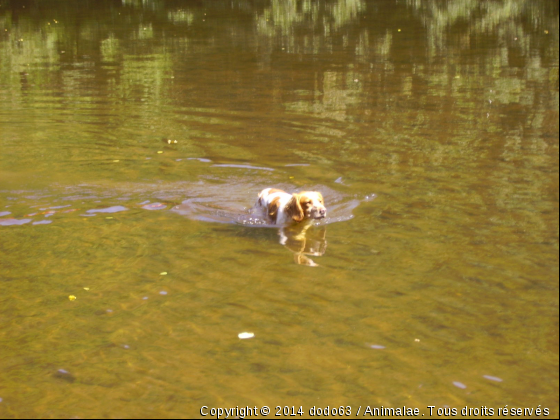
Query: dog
[[295, 214], [283, 209]]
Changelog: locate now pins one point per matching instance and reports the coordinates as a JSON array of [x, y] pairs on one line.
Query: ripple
[[113, 209], [11, 222], [42, 222], [230, 165], [154, 206], [55, 207]]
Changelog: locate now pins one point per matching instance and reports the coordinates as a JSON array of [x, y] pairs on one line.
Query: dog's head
[[307, 205]]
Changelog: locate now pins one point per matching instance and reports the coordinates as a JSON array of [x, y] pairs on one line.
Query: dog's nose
[[323, 212]]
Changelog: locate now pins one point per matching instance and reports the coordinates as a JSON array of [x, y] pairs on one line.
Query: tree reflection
[[346, 58]]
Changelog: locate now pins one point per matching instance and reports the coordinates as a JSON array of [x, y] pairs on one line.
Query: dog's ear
[[273, 208], [294, 208]]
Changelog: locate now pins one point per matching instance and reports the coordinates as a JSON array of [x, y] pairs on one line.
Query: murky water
[[135, 136]]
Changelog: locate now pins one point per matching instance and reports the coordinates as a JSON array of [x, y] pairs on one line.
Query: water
[[135, 136]]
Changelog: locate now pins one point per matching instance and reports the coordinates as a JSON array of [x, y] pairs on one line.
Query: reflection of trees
[[371, 47], [284, 17], [397, 46], [510, 20], [364, 30]]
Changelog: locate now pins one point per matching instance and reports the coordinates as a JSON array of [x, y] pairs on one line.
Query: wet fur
[[273, 208], [282, 208], [294, 208]]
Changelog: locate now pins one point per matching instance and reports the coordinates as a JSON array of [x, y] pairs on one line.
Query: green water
[[441, 290]]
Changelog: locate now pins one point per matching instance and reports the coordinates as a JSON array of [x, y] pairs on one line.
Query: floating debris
[[459, 385], [72, 297], [377, 346], [163, 293], [245, 335], [492, 378], [163, 273], [64, 375]]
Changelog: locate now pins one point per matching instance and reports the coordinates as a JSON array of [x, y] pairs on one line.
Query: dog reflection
[[304, 241]]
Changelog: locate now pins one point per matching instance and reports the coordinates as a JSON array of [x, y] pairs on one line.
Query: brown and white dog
[[282, 208]]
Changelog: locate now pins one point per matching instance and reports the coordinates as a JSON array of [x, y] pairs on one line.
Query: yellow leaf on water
[[72, 297]]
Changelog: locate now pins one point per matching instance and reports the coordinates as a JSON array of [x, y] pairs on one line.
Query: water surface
[[134, 137]]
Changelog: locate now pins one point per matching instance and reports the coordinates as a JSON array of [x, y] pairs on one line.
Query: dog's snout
[[323, 211]]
